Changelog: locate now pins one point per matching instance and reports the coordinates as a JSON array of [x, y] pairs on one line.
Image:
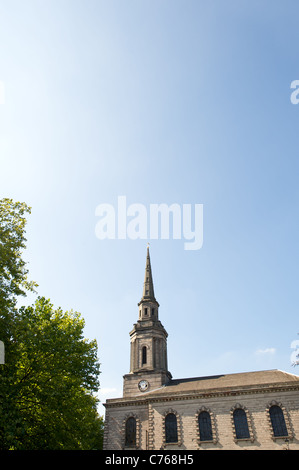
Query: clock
[[143, 385]]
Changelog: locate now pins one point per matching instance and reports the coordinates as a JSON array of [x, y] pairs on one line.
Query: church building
[[251, 410]]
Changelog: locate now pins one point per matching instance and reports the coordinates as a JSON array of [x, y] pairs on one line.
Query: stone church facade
[[252, 410]]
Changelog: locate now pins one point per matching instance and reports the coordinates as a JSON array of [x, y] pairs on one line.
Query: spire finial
[[148, 285]]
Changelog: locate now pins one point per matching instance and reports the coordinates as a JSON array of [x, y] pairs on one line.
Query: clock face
[[143, 385]]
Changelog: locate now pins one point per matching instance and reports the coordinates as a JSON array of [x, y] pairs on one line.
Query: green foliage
[[13, 272], [51, 371], [47, 401]]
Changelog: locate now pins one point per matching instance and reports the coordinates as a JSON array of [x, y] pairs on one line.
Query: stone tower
[[148, 364]]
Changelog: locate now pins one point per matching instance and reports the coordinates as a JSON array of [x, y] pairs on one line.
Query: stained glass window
[[171, 428], [130, 432], [205, 426], [278, 421], [241, 424]]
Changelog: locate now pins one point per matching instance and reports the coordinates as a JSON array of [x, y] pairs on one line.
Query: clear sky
[[171, 101]]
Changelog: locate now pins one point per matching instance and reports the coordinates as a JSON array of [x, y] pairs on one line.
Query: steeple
[[148, 285], [148, 338]]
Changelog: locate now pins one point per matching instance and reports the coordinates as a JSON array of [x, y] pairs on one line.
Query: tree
[[13, 272], [50, 404], [51, 371]]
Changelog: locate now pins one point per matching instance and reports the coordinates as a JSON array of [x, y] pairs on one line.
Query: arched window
[[278, 421], [171, 428], [144, 355], [130, 440], [241, 424], [205, 426]]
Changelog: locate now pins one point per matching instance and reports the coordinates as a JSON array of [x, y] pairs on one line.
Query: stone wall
[[150, 416]]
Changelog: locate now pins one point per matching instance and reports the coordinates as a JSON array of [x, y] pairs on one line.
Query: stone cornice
[[148, 325], [195, 394]]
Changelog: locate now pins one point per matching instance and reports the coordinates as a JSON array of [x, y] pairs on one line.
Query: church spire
[[148, 285], [148, 357]]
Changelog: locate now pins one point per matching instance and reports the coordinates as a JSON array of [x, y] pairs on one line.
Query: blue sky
[[183, 102]]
